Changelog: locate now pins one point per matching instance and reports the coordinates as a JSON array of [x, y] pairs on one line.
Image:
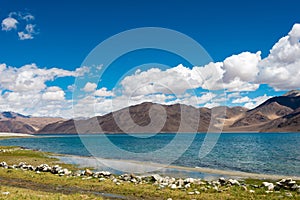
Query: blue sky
[[65, 32]]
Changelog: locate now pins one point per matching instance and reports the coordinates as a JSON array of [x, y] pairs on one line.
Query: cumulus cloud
[[252, 103], [280, 69], [24, 90], [31, 77], [241, 100], [103, 92], [89, 87], [242, 66], [9, 23], [174, 80], [53, 94]]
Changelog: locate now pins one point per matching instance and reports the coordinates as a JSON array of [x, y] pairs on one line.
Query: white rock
[[234, 182], [189, 180], [173, 186], [102, 179], [268, 185], [288, 194], [5, 193]]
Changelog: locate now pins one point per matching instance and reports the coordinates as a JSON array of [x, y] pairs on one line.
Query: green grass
[[30, 185]]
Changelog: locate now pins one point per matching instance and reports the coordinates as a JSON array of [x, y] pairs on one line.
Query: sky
[[51, 63]]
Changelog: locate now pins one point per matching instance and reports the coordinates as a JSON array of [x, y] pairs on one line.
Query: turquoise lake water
[[266, 153]]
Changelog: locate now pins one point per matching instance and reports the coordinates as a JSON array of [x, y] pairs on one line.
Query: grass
[[29, 194], [30, 185]]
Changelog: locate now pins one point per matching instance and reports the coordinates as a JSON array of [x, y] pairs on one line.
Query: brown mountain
[[11, 126], [277, 114], [136, 119], [18, 123]]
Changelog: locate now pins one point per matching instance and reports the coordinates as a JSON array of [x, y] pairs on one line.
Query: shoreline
[[5, 134], [41, 172], [150, 165]]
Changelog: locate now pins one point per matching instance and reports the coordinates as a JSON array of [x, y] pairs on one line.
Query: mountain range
[[277, 114]]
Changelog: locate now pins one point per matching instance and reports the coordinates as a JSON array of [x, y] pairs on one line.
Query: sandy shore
[[142, 167], [14, 135]]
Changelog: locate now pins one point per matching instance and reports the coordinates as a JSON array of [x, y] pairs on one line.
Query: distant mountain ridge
[[277, 114], [12, 122]]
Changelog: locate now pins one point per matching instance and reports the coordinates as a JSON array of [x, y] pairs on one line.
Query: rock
[[87, 178], [180, 183], [3, 164], [191, 193], [173, 186], [187, 185], [222, 180], [102, 179], [234, 182], [197, 192], [189, 180], [156, 177], [254, 186], [245, 188], [216, 188], [294, 187], [251, 191], [216, 183], [269, 186], [105, 173], [169, 199], [115, 180], [133, 180], [291, 182], [5, 193], [288, 194], [88, 172]]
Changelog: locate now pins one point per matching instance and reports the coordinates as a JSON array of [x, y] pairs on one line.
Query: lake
[[265, 153]]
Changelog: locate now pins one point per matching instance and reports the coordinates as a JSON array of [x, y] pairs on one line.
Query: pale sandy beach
[[2, 134]]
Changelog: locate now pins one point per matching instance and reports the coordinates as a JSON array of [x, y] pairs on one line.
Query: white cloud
[[31, 78], [24, 90], [280, 69], [24, 36], [90, 87], [241, 100], [211, 105], [53, 94], [174, 80], [27, 33], [22, 19], [9, 23], [103, 92], [242, 66], [256, 101]]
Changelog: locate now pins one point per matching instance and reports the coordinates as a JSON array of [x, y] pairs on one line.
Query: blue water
[[267, 153]]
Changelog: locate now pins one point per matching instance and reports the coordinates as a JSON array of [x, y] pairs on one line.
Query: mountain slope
[[138, 120], [277, 114], [18, 123], [11, 126], [266, 112]]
